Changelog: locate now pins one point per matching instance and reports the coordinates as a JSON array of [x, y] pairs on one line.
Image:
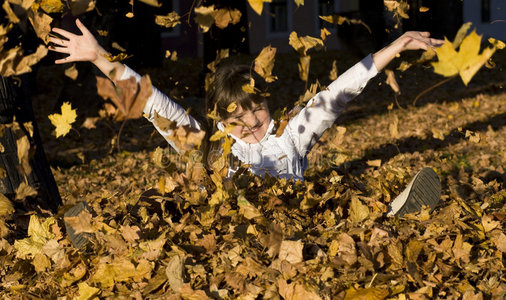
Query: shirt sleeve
[[323, 109], [159, 102]]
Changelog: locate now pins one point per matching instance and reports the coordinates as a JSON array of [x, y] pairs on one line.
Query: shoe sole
[[423, 190]]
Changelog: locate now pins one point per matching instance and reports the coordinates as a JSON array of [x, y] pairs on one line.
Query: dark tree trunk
[[15, 101]]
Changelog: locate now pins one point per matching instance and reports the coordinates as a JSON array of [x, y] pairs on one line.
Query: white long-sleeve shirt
[[284, 156]]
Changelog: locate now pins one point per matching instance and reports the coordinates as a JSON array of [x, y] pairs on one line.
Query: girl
[[253, 129]]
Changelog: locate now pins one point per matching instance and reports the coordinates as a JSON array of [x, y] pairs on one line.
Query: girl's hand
[[84, 47], [78, 47], [411, 40], [415, 40]]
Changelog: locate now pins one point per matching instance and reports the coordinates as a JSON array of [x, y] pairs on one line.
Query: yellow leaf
[[39, 234], [333, 72], [466, 62], [129, 15], [372, 293], [52, 6], [497, 43], [6, 207], [258, 5], [63, 121], [264, 63], [154, 3], [232, 107], [423, 9], [41, 262], [13, 18], [115, 58], [303, 44], [324, 33], [23, 151], [86, 292], [299, 2], [24, 190], [168, 21], [358, 211], [204, 16], [303, 65], [174, 273]]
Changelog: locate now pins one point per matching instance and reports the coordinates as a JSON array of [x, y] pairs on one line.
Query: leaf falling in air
[[264, 63], [258, 5], [71, 72], [465, 62], [392, 82], [339, 20], [168, 21], [63, 122], [115, 58]]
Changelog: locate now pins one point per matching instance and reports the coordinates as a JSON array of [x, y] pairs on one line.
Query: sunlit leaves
[[264, 63], [464, 62], [303, 44], [118, 57], [258, 5], [63, 122], [206, 16], [168, 21], [400, 8], [12, 61], [52, 6], [38, 235], [339, 20]]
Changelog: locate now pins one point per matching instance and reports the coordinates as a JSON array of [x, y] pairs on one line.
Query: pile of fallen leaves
[[158, 226]]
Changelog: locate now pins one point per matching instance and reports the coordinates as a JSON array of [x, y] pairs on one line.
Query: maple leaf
[[39, 234], [63, 121], [465, 62], [129, 96], [264, 63], [258, 5]]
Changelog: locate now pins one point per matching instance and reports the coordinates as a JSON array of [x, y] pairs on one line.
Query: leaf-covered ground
[[327, 237]]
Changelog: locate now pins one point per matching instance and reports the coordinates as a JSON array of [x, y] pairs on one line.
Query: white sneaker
[[423, 190]]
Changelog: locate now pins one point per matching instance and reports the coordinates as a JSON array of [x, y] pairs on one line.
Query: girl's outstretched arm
[[411, 40], [84, 47]]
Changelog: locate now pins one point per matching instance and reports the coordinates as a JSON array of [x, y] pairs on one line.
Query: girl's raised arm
[[84, 47]]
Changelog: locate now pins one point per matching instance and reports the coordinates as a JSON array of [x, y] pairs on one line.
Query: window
[[167, 7], [485, 11], [279, 20]]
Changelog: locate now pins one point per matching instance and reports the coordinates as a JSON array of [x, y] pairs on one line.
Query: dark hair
[[227, 88]]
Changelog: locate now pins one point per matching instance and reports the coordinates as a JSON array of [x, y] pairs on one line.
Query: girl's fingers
[[64, 60], [81, 27], [64, 33], [60, 49], [58, 41]]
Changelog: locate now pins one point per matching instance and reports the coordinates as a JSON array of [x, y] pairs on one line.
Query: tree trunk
[[16, 102]]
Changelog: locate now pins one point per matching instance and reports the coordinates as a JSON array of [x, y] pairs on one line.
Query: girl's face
[[250, 125]]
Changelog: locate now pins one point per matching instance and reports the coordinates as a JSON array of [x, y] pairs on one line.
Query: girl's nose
[[250, 119]]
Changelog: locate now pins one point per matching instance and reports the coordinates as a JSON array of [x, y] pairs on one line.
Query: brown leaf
[[204, 16], [296, 291], [6, 207], [130, 233], [333, 72], [13, 18], [81, 222], [90, 123], [264, 63], [174, 273], [41, 22], [24, 190], [346, 248], [304, 67], [358, 211], [129, 96], [461, 250], [79, 7], [168, 21], [291, 251], [303, 44], [392, 82], [23, 150], [224, 16], [71, 72]]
